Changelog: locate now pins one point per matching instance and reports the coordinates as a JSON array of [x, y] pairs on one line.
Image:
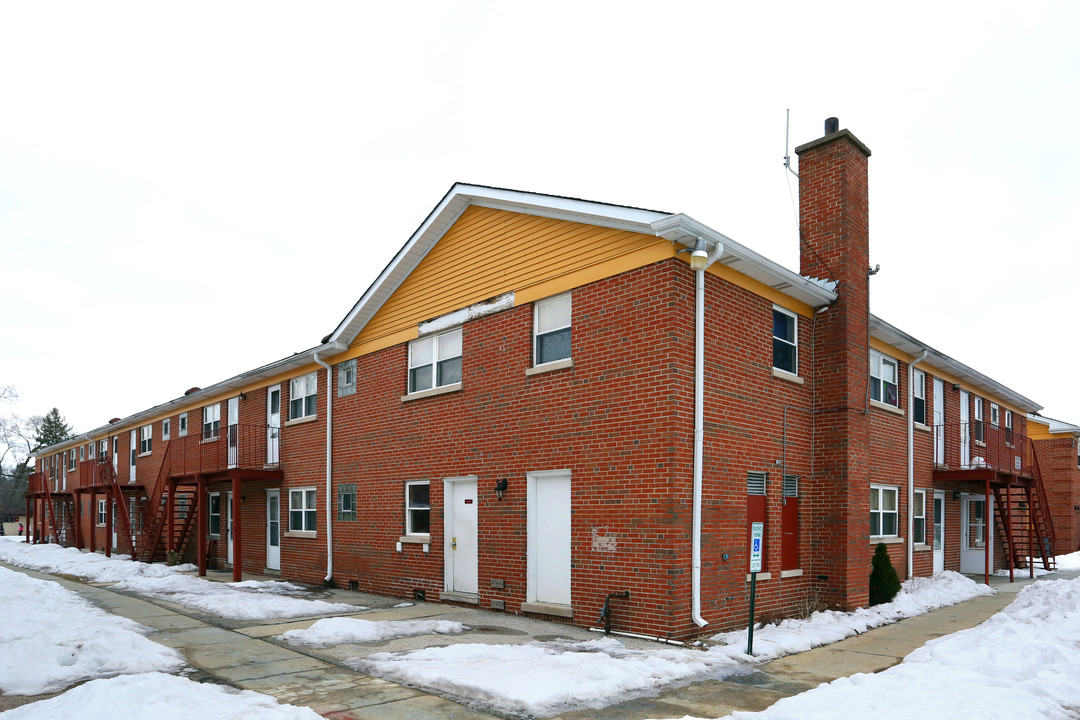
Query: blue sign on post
[[757, 535]]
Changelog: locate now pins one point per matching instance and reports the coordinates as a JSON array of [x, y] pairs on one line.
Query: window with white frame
[[883, 512], [302, 510], [71, 460], [103, 451], [785, 343], [102, 511], [347, 501], [146, 436], [166, 428], [417, 508], [551, 329], [303, 393], [1008, 427], [214, 516], [346, 378], [90, 450], [82, 453], [435, 361], [211, 421], [918, 514], [883, 379], [181, 425], [995, 414], [980, 431], [918, 394]]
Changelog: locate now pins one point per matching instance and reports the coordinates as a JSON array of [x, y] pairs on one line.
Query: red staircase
[[1022, 514]]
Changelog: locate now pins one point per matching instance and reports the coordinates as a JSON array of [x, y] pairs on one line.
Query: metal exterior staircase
[[1022, 514]]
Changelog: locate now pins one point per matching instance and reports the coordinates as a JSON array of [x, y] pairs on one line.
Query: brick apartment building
[[544, 401]]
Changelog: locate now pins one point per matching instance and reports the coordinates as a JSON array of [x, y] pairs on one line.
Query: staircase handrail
[[152, 534], [1044, 502], [107, 474]]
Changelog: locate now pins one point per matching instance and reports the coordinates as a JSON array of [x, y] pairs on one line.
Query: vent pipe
[[832, 125]]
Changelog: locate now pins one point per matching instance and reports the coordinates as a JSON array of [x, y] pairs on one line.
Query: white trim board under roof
[[894, 337], [677, 228]]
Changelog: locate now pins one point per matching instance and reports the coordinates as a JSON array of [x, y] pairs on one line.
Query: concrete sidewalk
[[244, 654]]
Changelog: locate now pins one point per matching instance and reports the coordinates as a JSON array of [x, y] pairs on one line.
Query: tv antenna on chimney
[[787, 131]]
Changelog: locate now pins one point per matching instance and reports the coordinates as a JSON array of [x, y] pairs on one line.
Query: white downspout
[[699, 431], [329, 467], [911, 463]]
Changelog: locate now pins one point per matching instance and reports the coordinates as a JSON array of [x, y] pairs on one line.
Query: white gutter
[[329, 466], [911, 463], [699, 431]]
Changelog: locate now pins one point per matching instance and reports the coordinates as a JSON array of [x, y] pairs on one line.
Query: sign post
[[757, 541]]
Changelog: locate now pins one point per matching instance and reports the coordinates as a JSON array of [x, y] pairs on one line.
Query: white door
[[939, 530], [548, 530], [975, 532], [115, 544], [459, 529], [228, 528], [233, 433], [116, 455], [939, 422], [273, 424], [273, 529], [134, 452], [965, 431]]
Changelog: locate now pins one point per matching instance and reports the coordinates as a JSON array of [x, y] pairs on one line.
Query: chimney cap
[[832, 125]]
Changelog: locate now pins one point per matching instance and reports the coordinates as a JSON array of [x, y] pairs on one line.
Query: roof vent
[[192, 390], [832, 125]]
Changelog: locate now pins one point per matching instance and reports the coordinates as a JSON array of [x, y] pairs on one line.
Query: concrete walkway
[[243, 654]]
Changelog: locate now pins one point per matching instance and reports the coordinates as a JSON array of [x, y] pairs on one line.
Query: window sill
[[547, 609], [886, 407], [301, 420], [888, 540], [431, 392], [760, 576], [415, 539], [923, 547], [301, 534], [790, 573], [145, 454], [550, 367], [980, 443], [183, 434], [922, 427], [785, 375]]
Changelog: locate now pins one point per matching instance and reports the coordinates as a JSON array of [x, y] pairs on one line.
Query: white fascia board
[[450, 208], [685, 230], [236, 382], [894, 337]]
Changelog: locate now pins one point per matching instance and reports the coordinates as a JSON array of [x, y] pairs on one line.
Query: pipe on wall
[[329, 466]]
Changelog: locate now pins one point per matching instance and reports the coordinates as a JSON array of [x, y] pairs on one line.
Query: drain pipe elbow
[[329, 466], [911, 463]]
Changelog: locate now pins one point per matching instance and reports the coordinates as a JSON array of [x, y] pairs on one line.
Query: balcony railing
[[223, 448], [979, 445]]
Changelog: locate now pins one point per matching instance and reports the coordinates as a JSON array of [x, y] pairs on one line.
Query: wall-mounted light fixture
[[500, 488], [955, 494], [699, 258], [243, 396], [955, 386]]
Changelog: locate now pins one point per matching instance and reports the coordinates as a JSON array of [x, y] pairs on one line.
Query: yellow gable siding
[[489, 252]]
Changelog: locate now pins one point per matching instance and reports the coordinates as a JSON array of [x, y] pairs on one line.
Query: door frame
[[533, 528], [273, 426], [939, 421], [134, 454], [973, 560], [939, 530], [232, 430], [471, 586], [273, 492], [227, 498], [965, 429]]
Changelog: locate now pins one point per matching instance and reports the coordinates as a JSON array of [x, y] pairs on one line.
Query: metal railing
[[224, 448], [980, 445]]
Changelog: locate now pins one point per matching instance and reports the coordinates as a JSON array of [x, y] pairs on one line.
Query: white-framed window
[[302, 510], [980, 431], [551, 329], [346, 378], [82, 453], [103, 451], [918, 394], [883, 379], [303, 393], [1008, 427], [71, 460], [995, 414], [166, 428], [347, 501], [883, 511], [90, 450], [214, 515], [181, 425], [918, 513], [785, 342], [417, 508], [211, 421], [146, 437], [435, 361], [102, 511]]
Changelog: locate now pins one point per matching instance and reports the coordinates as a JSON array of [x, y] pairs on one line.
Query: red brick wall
[[1058, 463]]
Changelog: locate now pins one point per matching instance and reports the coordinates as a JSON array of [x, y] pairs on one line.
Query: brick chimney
[[834, 244]]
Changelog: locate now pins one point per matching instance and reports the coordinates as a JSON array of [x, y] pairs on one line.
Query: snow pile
[[338, 630], [51, 638], [250, 600], [1069, 562], [154, 696], [917, 596], [546, 678], [1021, 663]]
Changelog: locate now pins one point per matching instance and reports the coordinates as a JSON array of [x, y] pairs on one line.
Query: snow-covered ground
[[338, 630], [251, 600]]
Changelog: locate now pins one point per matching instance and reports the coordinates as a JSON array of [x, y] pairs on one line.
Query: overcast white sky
[[191, 190]]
